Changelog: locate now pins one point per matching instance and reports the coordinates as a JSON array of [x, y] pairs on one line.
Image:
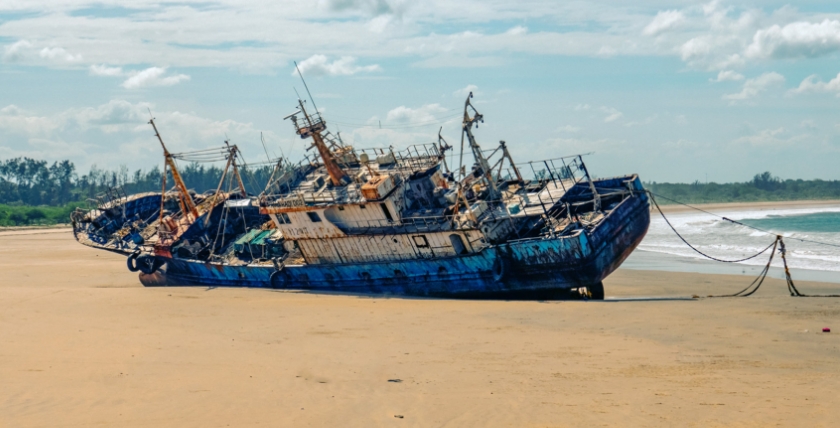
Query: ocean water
[[725, 240]]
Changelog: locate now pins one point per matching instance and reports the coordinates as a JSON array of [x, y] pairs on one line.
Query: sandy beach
[[757, 206], [84, 344]]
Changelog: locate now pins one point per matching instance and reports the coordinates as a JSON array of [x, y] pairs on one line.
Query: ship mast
[[486, 170], [187, 203], [232, 155], [312, 126]]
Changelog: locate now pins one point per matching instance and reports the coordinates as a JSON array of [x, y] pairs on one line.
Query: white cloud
[[683, 145], [552, 146], [796, 40], [710, 52], [728, 76], [711, 7], [568, 128], [763, 137], [234, 35], [606, 51], [24, 50], [319, 65], [647, 121], [459, 61], [115, 115], [813, 84], [612, 114], [581, 107], [11, 110], [463, 92], [153, 76], [422, 115], [695, 48], [372, 7], [808, 124], [753, 87], [88, 134], [59, 54], [104, 70], [517, 30], [664, 21], [771, 137], [16, 51], [17, 121]]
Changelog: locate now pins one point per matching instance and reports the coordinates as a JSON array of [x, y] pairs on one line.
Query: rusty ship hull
[[545, 267]]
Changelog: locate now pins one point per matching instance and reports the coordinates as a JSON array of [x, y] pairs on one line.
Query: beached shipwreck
[[384, 221]]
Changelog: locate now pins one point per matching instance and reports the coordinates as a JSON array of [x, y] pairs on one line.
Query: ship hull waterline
[[533, 268]]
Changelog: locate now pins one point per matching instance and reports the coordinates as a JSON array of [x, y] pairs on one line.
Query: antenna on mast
[[307, 87], [443, 146], [264, 148], [312, 126]]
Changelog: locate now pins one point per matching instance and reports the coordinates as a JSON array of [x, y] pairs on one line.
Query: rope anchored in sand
[[778, 242]]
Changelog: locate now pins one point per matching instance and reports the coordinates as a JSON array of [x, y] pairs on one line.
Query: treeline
[[37, 192], [27, 186], [763, 187]]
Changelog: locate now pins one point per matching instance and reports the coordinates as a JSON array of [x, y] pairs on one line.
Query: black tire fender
[[500, 269], [132, 262], [148, 264], [277, 279]]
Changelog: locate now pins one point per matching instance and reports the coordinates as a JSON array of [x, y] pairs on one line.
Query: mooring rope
[[777, 243], [698, 251], [737, 222], [753, 287]]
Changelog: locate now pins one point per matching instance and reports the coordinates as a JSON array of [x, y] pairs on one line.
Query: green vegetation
[[24, 215], [762, 188], [35, 192]]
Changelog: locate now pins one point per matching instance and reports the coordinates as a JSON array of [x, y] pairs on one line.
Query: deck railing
[[406, 225]]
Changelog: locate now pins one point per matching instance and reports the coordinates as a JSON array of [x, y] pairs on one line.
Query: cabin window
[[340, 208], [362, 206], [420, 241], [387, 213], [283, 218], [458, 243], [314, 217]]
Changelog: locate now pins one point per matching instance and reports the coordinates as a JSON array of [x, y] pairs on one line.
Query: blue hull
[[530, 268]]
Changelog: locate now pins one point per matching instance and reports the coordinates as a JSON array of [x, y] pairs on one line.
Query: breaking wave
[[725, 240]]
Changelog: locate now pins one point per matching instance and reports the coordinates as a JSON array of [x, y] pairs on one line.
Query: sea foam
[[725, 240]]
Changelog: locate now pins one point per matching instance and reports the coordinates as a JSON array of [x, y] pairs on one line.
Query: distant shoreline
[[30, 230], [767, 205]]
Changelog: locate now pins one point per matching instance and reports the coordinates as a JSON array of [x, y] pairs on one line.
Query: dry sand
[[83, 344]]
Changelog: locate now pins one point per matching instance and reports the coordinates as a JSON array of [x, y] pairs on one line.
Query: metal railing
[[406, 225]]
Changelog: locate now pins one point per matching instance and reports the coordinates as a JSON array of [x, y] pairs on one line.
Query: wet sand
[[83, 344]]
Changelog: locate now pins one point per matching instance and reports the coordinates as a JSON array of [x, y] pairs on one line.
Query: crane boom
[[186, 199]]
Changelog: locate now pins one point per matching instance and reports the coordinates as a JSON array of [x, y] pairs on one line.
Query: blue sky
[[676, 91]]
